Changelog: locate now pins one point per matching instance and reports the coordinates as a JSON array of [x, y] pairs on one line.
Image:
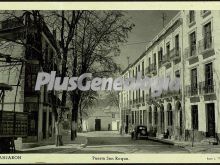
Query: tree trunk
[[58, 139], [74, 125], [75, 102], [58, 127]]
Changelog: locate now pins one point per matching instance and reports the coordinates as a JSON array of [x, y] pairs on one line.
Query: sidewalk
[[198, 147], [48, 146]]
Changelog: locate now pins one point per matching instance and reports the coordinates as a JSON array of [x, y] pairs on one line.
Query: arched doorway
[[169, 115], [155, 116], [162, 118], [150, 115], [179, 117]]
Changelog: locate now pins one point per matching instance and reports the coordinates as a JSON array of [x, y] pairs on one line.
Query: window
[[31, 76], [113, 115], [209, 84], [207, 36], [137, 117], [149, 63], [139, 95], [168, 50], [143, 96], [191, 16], [160, 56], [150, 116], [140, 117], [136, 72], [142, 68], [133, 95], [194, 110], [192, 43], [194, 87], [177, 42], [132, 117], [155, 60], [209, 74]]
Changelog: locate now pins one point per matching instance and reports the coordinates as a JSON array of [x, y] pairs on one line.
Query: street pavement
[[102, 142], [113, 142], [105, 142]]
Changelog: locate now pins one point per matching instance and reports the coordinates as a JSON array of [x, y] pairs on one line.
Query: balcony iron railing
[[170, 93], [152, 68], [192, 90], [191, 20], [166, 59], [175, 54], [206, 87], [206, 44], [191, 51]]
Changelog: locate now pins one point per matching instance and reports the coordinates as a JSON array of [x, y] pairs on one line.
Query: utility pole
[[164, 17]]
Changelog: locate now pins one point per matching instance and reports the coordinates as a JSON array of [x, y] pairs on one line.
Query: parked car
[[139, 131]]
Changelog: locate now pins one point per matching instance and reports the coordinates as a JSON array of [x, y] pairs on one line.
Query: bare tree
[[64, 23], [96, 42]]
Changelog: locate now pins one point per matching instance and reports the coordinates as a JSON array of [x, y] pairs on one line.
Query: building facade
[[38, 46], [187, 48], [102, 120]]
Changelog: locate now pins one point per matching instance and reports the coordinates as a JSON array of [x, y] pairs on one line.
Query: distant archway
[[179, 116], [169, 114], [150, 115], [162, 118]]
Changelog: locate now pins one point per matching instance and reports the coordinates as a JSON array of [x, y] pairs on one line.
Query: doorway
[[97, 124], [44, 125], [126, 125], [210, 108]]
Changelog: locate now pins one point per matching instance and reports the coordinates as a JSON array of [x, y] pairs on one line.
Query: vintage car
[[139, 132]]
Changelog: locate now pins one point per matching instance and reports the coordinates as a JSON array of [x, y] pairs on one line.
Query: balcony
[[206, 45], [160, 63], [147, 71], [191, 20], [205, 13], [192, 90], [175, 54], [206, 88], [152, 69], [166, 60], [170, 93], [191, 52]]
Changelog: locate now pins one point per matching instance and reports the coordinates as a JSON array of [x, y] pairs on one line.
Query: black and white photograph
[[109, 82]]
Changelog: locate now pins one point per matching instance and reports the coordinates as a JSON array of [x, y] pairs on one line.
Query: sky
[[147, 25]]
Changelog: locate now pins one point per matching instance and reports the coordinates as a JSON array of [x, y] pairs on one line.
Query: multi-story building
[[37, 45], [187, 48]]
